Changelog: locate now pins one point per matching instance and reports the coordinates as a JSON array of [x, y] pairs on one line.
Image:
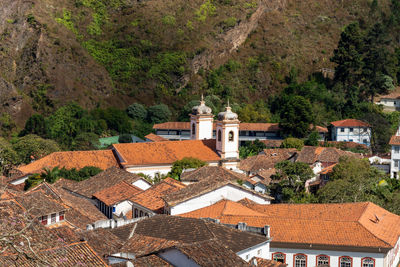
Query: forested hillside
[[113, 53]]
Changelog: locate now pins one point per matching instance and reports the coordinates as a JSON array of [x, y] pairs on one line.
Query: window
[[141, 213], [219, 135], [322, 260], [113, 208], [350, 140], [367, 262], [279, 257], [396, 149], [259, 252], [365, 141], [136, 213], [43, 220], [351, 130], [345, 261], [193, 129], [146, 214], [61, 215], [396, 163], [231, 136], [300, 260], [53, 218], [342, 130], [247, 256]]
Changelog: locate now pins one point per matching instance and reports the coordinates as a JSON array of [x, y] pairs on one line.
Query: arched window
[[322, 260], [367, 262], [345, 261], [136, 213], [300, 260], [231, 136], [141, 213], [219, 135], [193, 129], [279, 257]]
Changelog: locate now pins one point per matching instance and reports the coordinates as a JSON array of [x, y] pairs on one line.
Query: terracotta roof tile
[[260, 262], [272, 143], [349, 224], [267, 159], [40, 204], [71, 255], [142, 245], [394, 140], [166, 152], [102, 159], [151, 260], [155, 138], [152, 197], [105, 179], [350, 123], [102, 241], [311, 154], [117, 193], [219, 173], [200, 188]]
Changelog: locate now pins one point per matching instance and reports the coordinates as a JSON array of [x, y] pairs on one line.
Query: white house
[[391, 101], [395, 155], [351, 130]]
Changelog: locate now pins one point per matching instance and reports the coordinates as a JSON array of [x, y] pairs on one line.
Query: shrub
[[125, 138], [291, 142], [159, 113], [137, 111], [185, 163]]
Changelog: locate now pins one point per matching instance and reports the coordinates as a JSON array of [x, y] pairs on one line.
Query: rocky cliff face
[[40, 61]]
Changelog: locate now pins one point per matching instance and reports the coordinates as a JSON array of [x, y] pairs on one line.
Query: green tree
[[381, 131], [159, 113], [251, 148], [185, 163], [137, 111], [296, 117], [142, 128], [352, 180], [296, 173], [8, 156], [35, 125], [312, 139], [86, 141], [254, 113], [33, 147], [291, 142], [125, 138]]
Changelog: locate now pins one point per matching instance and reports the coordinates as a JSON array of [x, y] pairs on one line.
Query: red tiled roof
[[348, 224], [394, 140], [152, 197], [155, 138], [350, 123], [117, 193], [243, 126], [166, 152], [102, 159]]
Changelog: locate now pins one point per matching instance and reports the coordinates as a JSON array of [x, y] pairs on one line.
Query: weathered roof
[[267, 159], [166, 152], [361, 224], [350, 123], [102, 159], [102, 241], [40, 204], [311, 154], [142, 244], [151, 260], [105, 179], [152, 197], [117, 193], [394, 140], [155, 138], [260, 262], [207, 185], [219, 173], [190, 230], [70, 255]]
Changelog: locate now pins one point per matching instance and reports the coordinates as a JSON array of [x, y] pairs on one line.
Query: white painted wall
[[334, 256], [390, 103], [142, 184], [20, 180], [177, 258], [392, 259], [49, 219], [357, 135], [395, 161], [261, 250], [229, 192], [123, 207], [203, 127]]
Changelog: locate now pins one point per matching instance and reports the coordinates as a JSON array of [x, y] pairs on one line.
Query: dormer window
[[219, 135], [231, 136]]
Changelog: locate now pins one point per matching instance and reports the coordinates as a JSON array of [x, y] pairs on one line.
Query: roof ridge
[[366, 229]]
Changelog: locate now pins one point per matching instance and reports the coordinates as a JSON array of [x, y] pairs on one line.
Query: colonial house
[[351, 130], [114, 200], [260, 181], [190, 242], [346, 234], [391, 101], [247, 131], [395, 155], [150, 202], [207, 192], [205, 172]]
